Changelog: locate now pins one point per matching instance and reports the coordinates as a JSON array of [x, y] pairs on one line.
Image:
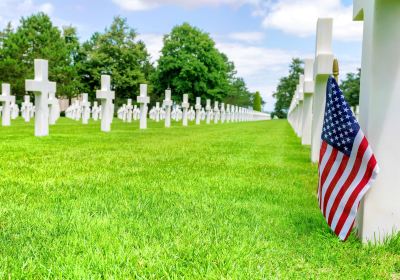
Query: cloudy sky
[[260, 36]]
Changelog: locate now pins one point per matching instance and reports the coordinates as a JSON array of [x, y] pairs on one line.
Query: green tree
[[190, 63], [286, 88], [257, 102], [351, 88], [36, 37], [238, 93], [115, 52]]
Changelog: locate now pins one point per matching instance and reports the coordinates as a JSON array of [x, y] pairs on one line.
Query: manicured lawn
[[232, 201]]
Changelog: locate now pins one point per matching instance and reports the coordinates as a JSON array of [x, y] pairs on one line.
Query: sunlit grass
[[231, 201]]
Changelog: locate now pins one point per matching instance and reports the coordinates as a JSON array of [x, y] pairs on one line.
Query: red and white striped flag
[[347, 165]]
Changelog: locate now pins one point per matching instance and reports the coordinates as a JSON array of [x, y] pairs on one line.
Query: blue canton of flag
[[340, 126]]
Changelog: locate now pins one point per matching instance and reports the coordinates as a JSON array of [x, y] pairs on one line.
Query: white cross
[[6, 99], [323, 66], [54, 108], [85, 108], [185, 107], [167, 104], [106, 96], [42, 87], [198, 110], [208, 110], [379, 114], [143, 99]]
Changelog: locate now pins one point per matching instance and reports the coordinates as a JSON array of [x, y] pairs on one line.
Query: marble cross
[[41, 86], [143, 100], [106, 95], [185, 107], [168, 105], [5, 99]]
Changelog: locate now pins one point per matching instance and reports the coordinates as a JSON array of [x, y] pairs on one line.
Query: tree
[[36, 37], [351, 88], [286, 88], [257, 102], [190, 63], [115, 52]]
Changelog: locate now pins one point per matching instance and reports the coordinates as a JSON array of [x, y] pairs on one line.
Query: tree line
[[287, 87], [189, 62]]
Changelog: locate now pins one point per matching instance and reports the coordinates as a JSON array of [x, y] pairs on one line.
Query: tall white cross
[[308, 90], [323, 66], [208, 111], [185, 107], [168, 105], [379, 214], [106, 95], [223, 116], [41, 87], [6, 98], [143, 100], [198, 110]]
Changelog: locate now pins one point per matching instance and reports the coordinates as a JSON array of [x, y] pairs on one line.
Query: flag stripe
[[355, 176], [338, 175], [345, 175], [333, 171], [362, 186], [350, 179]]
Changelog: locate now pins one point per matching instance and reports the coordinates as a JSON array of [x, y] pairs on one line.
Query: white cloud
[[260, 67], [13, 10], [299, 18], [247, 37], [154, 44]]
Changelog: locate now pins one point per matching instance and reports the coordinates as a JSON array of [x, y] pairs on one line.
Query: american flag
[[347, 165]]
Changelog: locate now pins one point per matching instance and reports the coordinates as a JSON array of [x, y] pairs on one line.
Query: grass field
[[232, 201]]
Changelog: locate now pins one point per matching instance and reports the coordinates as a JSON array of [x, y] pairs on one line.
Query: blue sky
[[259, 36]]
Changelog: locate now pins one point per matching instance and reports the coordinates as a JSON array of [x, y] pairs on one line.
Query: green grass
[[232, 201]]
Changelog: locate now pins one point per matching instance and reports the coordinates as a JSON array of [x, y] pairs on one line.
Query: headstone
[[85, 108], [26, 108], [157, 112], [198, 110], [300, 95], [216, 112], [323, 66], [308, 90], [129, 109], [203, 114], [222, 112], [208, 111], [379, 214], [143, 100], [192, 114], [14, 109], [54, 108], [106, 96], [42, 87], [228, 113], [95, 111], [167, 104], [5, 99], [185, 107]]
